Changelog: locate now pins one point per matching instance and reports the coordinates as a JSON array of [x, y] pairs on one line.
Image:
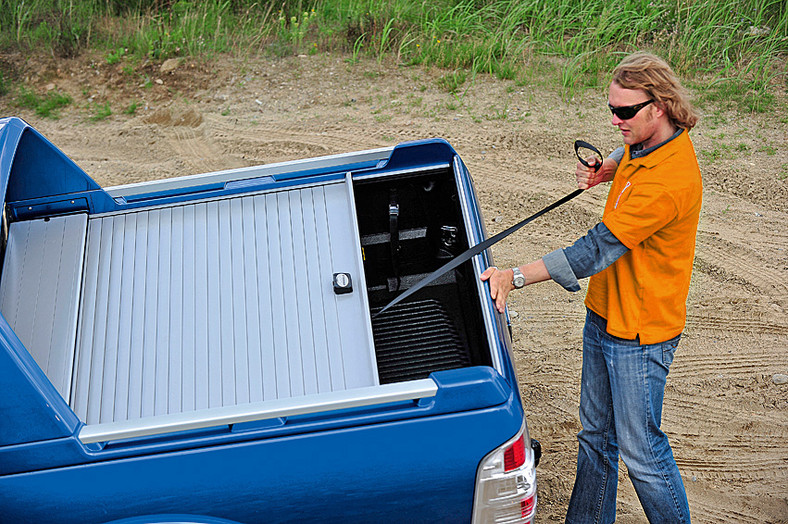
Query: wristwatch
[[518, 279]]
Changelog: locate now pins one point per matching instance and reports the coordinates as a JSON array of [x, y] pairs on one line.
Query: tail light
[[514, 455], [506, 483]]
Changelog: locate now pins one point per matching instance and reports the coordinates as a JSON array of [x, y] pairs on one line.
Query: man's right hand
[[587, 177]]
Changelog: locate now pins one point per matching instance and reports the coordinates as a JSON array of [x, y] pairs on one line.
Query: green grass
[[46, 106], [734, 50], [132, 108], [768, 149], [113, 57], [452, 82], [101, 112]]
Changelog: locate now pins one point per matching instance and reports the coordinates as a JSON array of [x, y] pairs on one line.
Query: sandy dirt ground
[[725, 411]]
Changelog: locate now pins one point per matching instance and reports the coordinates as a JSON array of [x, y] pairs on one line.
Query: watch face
[[519, 279]]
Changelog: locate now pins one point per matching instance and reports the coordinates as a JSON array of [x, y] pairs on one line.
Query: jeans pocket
[[669, 350]]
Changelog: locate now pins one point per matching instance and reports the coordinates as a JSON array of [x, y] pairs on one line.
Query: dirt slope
[[724, 413]]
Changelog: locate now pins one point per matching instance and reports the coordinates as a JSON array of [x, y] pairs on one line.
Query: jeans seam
[[603, 491], [608, 424], [649, 415]]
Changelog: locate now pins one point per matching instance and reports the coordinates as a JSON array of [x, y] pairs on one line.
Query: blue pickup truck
[[207, 348]]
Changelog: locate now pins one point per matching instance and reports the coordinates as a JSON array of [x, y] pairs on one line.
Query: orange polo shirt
[[653, 209]]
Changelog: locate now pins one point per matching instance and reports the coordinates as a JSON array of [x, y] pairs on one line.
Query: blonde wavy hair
[[653, 75]]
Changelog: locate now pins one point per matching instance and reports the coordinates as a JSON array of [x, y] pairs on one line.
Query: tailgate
[[400, 461]]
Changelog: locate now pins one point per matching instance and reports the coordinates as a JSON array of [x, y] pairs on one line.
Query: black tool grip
[[582, 144]]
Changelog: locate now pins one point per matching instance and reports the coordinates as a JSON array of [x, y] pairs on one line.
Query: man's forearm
[[534, 272]]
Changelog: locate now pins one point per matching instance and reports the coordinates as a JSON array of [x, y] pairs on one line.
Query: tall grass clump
[[63, 27], [149, 28], [735, 49]]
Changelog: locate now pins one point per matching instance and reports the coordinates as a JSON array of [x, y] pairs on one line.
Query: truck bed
[[179, 308]]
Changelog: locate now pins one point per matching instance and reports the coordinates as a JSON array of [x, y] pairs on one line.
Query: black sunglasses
[[627, 112]]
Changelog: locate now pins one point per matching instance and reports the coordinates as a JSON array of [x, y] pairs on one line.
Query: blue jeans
[[623, 385]]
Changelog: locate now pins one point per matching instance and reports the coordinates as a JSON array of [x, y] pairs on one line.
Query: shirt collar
[[637, 151]]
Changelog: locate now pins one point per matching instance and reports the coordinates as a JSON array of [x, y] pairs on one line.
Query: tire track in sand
[[725, 261]]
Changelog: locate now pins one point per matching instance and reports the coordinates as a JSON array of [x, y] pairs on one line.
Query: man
[[641, 257]]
